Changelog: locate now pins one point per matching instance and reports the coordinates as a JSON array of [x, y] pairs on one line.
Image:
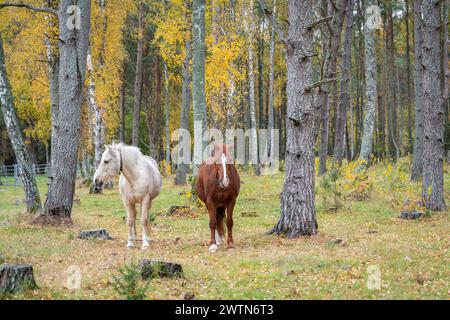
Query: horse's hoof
[[230, 247], [130, 244], [145, 245], [213, 248]]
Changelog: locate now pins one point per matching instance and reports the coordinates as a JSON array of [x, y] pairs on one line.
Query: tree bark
[[392, 103], [408, 78], [198, 80], [433, 134], [417, 165], [73, 46], [371, 94], [331, 40], [344, 98], [271, 123], [166, 113], [298, 213], [249, 30], [138, 78], [445, 70], [95, 113], [32, 198], [183, 168]]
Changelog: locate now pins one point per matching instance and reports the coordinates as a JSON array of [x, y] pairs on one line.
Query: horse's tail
[[220, 215]]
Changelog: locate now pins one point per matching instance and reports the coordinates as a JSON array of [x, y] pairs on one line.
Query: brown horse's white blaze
[[139, 182], [217, 185]]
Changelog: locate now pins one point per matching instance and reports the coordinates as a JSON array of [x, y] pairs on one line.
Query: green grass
[[411, 255]]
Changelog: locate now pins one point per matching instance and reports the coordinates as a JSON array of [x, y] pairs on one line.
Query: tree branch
[[320, 21], [29, 7], [319, 84]]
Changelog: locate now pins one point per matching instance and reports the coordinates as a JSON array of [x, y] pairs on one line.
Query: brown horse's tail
[[220, 215]]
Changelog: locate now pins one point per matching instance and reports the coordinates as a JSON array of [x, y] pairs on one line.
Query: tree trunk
[[408, 79], [52, 53], [73, 46], [445, 70], [433, 134], [183, 168], [198, 80], [95, 113], [331, 41], [122, 112], [138, 78], [344, 99], [249, 30], [298, 213], [417, 165], [270, 126], [167, 114], [371, 94], [392, 104], [32, 198]]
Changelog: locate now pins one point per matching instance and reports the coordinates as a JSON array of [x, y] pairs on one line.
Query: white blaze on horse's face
[[225, 182], [109, 166]]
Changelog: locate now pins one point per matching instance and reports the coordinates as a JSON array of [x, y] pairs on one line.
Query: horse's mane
[[129, 154]]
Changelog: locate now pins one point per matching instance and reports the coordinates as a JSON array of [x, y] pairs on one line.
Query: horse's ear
[[106, 147]]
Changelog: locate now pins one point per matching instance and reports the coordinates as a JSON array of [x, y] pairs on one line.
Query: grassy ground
[[412, 256]]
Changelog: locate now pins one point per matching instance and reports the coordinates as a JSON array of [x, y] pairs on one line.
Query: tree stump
[[159, 269], [94, 234], [15, 278], [411, 215]]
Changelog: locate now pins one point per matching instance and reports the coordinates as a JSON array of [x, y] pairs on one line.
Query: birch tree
[[371, 90], [32, 198], [138, 77], [198, 79]]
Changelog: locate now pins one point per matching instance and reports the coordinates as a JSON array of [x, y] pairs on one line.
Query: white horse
[[140, 182]]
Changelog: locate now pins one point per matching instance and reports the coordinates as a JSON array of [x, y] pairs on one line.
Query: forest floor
[[363, 235]]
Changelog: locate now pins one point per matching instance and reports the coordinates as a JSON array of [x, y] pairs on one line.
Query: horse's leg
[[145, 208], [212, 226], [230, 208], [131, 218], [219, 234]]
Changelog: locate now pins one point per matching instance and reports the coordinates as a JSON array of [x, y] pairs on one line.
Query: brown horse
[[217, 185]]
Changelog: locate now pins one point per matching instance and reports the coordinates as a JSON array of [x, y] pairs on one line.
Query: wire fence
[[10, 175]]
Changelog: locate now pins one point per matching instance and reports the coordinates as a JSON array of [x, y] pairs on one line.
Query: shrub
[[127, 283]]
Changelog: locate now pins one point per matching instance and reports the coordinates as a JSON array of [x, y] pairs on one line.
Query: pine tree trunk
[[270, 126], [445, 69], [433, 134], [392, 91], [73, 46], [344, 99], [138, 78], [417, 165], [298, 213], [331, 40], [198, 80], [371, 94], [32, 198], [408, 78]]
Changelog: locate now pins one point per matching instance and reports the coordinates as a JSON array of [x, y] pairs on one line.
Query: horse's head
[[222, 158], [109, 167]]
